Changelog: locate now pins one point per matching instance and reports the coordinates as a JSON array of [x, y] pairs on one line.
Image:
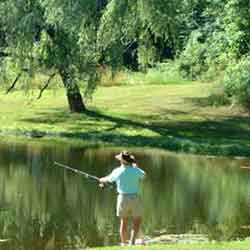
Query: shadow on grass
[[230, 136], [212, 100]]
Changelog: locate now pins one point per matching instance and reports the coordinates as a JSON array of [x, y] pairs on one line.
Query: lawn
[[176, 117], [235, 245]]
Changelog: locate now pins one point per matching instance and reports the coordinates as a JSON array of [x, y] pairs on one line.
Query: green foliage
[[237, 82], [76, 39], [236, 23], [53, 36], [192, 60], [145, 23], [163, 73], [73, 39], [219, 35]]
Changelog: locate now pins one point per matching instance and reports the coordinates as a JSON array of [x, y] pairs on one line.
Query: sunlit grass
[[19, 110], [176, 116], [237, 245]]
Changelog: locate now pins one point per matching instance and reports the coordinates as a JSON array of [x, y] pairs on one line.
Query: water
[[46, 207]]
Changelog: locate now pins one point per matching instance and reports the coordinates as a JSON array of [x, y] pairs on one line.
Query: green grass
[[161, 74], [175, 117], [235, 245]]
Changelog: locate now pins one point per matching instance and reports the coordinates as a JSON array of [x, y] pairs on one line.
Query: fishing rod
[[86, 175]]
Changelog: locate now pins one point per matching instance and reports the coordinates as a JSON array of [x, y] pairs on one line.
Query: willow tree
[[144, 22], [56, 37], [76, 38]]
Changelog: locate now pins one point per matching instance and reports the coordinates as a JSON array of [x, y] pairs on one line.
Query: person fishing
[[129, 205]]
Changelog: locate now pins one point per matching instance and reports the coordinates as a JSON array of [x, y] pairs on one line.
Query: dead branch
[[46, 85], [12, 86], [4, 54]]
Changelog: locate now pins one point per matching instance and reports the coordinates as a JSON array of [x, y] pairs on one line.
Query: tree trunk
[[75, 100]]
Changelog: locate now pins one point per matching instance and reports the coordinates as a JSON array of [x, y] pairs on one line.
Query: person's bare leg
[[136, 226], [124, 229]]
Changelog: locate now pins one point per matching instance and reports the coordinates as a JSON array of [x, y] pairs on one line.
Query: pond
[[46, 207]]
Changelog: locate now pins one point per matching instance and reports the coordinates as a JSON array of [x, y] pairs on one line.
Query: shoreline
[[176, 145], [213, 245], [170, 117]]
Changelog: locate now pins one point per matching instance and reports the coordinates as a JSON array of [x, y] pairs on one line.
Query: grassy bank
[[236, 245], [174, 117]]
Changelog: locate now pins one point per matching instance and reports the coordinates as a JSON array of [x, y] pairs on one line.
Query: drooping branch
[[46, 85], [4, 54], [12, 86]]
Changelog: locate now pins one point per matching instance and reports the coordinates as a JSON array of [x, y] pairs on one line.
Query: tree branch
[[12, 86], [4, 54], [45, 86]]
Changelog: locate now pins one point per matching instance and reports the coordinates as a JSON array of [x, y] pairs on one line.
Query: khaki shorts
[[129, 205]]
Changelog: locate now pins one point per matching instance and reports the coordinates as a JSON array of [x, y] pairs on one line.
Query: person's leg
[[124, 229], [136, 226]]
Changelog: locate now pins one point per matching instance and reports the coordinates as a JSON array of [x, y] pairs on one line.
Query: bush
[[218, 97], [164, 73], [192, 61], [161, 73], [236, 82]]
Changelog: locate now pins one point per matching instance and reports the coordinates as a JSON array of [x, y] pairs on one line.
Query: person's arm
[[141, 173], [109, 178], [104, 179]]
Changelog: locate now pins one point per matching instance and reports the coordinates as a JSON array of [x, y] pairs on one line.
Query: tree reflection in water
[[43, 207]]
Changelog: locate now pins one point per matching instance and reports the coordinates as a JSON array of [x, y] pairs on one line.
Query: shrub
[[161, 73], [236, 82], [164, 73], [192, 62], [217, 96]]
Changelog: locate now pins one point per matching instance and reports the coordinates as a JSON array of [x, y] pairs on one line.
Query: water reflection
[[44, 207]]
